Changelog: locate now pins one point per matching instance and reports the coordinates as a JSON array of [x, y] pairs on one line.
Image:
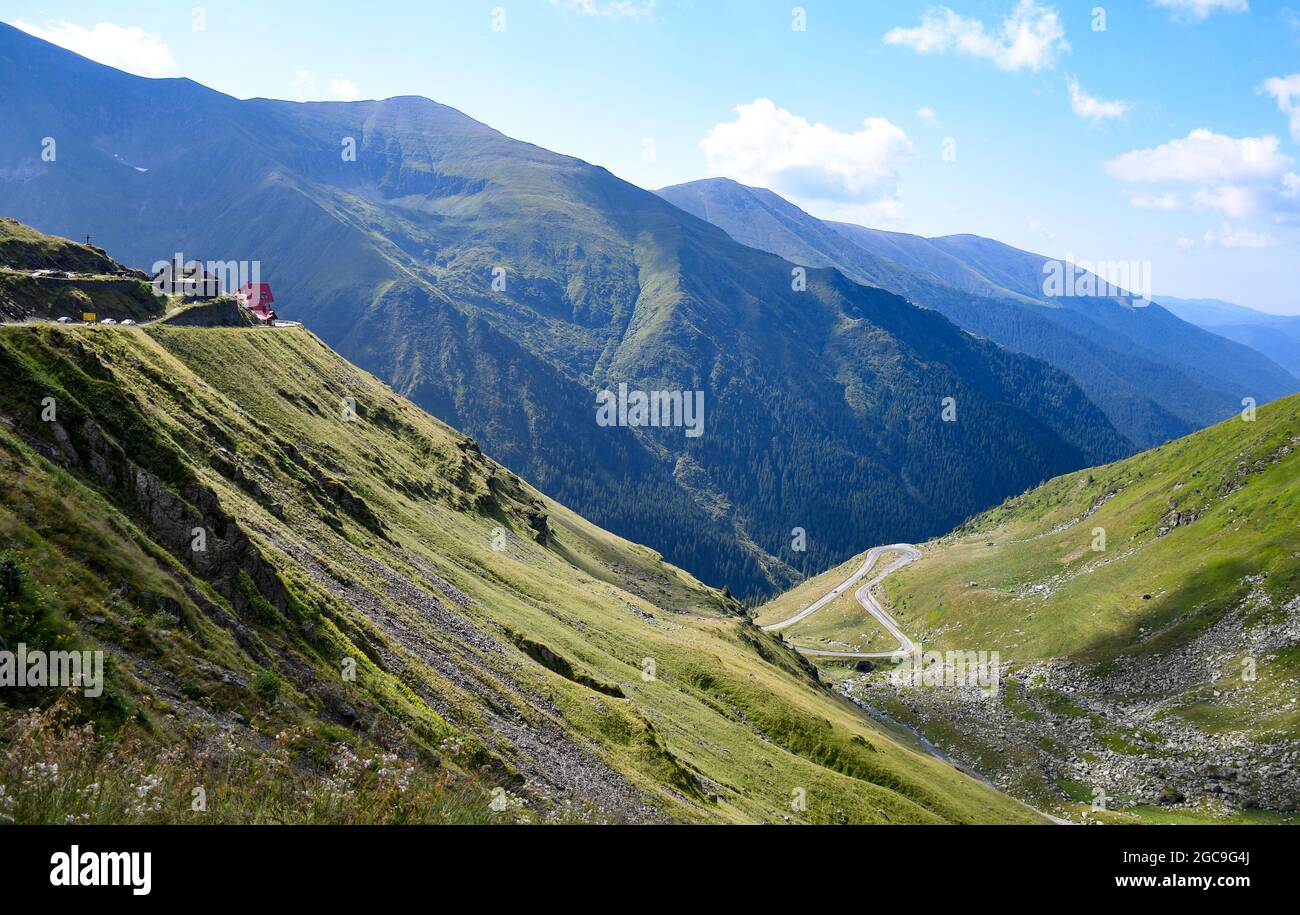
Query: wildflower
[[150, 782], [42, 772]]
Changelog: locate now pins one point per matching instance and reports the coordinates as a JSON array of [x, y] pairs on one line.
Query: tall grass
[[54, 770]]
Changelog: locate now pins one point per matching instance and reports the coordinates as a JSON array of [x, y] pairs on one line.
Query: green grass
[[363, 527], [788, 603], [841, 625], [25, 248], [58, 772], [1024, 579], [1146, 814]]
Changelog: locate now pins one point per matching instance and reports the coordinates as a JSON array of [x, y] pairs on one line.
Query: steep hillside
[[1155, 376], [291, 569], [1148, 613], [23, 248], [502, 286], [42, 276]]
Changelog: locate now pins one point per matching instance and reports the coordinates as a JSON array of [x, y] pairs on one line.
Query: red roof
[[261, 295]]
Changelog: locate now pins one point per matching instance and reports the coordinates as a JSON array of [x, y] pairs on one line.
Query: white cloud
[[128, 48], [1232, 201], [885, 212], [610, 9], [1167, 202], [344, 90], [1286, 90], [848, 173], [1204, 156], [1031, 37], [306, 82], [1093, 109], [1238, 177], [1237, 237], [927, 116], [1201, 9], [1036, 226]]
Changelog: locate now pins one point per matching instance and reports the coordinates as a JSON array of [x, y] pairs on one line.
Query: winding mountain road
[[905, 645]]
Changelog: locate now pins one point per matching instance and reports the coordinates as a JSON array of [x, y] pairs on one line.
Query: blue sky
[[1171, 136]]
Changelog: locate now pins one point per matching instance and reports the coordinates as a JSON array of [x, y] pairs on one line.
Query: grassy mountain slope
[[23, 248], [1150, 614], [1154, 376], [42, 276], [497, 637], [500, 286], [1187, 525]]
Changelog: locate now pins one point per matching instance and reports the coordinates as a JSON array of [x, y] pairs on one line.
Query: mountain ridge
[[327, 606], [1276, 336], [1153, 375], [502, 285]]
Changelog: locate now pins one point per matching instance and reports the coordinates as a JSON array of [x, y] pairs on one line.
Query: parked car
[[108, 321], [65, 320], [128, 321]]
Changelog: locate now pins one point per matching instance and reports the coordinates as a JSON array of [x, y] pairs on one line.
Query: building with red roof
[[257, 299]]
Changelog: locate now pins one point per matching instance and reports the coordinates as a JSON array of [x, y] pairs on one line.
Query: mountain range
[[1156, 377], [1276, 336], [320, 604], [502, 287], [322, 600]]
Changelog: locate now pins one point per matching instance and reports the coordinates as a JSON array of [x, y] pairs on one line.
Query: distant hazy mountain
[[1276, 336], [502, 286], [1155, 376]]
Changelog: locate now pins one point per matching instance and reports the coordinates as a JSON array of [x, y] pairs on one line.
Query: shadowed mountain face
[[501, 287], [1156, 376]]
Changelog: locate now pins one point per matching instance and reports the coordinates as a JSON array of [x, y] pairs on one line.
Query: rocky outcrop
[[1118, 729], [183, 515]]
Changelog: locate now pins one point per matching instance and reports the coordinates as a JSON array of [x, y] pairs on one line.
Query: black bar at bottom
[[331, 864]]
